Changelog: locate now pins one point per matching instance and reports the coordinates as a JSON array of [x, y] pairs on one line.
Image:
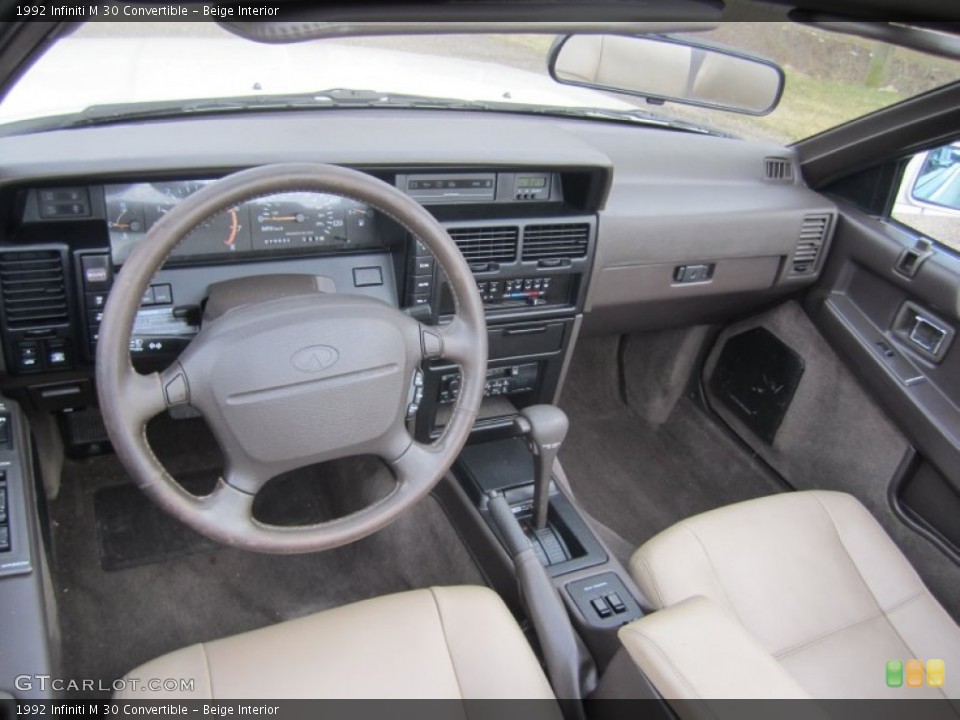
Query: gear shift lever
[[545, 427]]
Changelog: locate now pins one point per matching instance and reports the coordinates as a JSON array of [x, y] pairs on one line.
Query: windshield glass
[[831, 78]]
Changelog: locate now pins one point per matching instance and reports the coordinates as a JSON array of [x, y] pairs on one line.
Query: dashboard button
[[97, 273], [57, 355], [419, 300], [420, 249], [28, 356], [162, 294], [421, 285], [95, 301], [148, 297], [94, 317], [422, 265]]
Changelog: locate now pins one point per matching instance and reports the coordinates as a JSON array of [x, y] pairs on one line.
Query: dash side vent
[[487, 244], [555, 241], [813, 235], [777, 169], [33, 289]]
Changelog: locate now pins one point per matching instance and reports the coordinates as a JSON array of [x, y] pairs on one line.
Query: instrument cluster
[[277, 223]]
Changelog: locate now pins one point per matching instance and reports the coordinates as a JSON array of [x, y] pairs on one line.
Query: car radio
[[510, 380]]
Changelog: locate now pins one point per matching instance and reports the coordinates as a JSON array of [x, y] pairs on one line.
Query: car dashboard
[[567, 225]]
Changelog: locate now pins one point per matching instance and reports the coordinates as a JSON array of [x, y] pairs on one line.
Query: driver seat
[[437, 643]]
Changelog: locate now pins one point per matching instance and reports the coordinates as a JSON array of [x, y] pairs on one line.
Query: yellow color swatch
[[936, 670]]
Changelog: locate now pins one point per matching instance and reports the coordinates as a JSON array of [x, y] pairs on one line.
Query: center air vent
[[486, 244], [813, 234], [33, 289], [556, 241], [777, 169]]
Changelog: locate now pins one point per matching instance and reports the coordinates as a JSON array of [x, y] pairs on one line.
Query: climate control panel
[[510, 380]]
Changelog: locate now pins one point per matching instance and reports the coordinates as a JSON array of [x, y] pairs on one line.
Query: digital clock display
[[527, 183]]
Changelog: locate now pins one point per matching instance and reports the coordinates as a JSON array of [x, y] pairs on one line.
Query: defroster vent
[[33, 289]]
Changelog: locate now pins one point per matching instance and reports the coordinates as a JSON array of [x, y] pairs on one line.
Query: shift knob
[[545, 427]]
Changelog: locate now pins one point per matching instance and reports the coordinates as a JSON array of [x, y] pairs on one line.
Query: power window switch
[[3, 504], [4, 433], [601, 607], [4, 538], [616, 603]]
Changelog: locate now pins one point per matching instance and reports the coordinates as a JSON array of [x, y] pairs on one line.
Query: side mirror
[[937, 181], [661, 69]]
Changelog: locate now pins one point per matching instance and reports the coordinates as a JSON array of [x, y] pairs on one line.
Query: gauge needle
[[234, 226]]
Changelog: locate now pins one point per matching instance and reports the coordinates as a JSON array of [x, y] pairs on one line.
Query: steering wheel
[[292, 381]]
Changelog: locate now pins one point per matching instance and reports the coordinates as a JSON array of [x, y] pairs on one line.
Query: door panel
[[897, 328]]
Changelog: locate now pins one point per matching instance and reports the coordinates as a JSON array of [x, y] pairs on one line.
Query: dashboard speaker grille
[[33, 289], [813, 234], [487, 244], [555, 241]]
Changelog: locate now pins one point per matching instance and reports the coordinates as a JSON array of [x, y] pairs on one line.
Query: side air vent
[[777, 169], [556, 241], [813, 234], [486, 244], [33, 289]]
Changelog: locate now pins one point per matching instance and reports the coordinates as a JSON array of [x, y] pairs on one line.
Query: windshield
[[831, 78]]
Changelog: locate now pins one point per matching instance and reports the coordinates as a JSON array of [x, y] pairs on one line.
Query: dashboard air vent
[[777, 169], [813, 234], [555, 241], [33, 289], [486, 244]]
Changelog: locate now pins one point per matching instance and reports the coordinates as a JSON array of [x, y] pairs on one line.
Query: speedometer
[[298, 220]]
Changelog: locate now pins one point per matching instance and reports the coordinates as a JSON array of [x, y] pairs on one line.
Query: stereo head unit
[[482, 187], [473, 187]]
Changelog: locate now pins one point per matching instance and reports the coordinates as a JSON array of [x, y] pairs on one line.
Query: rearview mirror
[[661, 69]]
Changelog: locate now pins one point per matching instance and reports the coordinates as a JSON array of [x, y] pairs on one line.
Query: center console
[[596, 589]]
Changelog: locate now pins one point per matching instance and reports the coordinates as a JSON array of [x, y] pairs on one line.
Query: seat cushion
[[444, 642], [815, 579]]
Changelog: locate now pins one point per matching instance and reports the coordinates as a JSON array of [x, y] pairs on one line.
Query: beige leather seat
[[796, 595], [444, 642]]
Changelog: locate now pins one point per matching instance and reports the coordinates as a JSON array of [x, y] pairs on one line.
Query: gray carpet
[[637, 476], [834, 437], [111, 621]]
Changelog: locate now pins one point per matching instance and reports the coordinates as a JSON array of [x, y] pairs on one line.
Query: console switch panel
[[604, 600]]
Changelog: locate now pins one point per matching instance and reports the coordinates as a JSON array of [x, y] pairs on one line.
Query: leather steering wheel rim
[[128, 399]]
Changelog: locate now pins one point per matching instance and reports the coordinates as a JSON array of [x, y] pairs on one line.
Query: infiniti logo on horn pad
[[315, 358]]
